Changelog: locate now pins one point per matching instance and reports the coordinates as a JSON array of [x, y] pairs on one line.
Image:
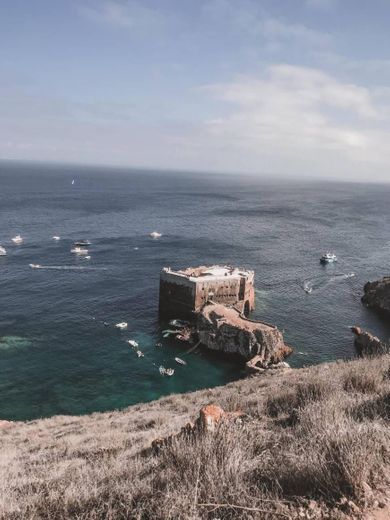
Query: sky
[[269, 87]]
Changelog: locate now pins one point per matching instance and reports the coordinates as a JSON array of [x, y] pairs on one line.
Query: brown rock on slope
[[367, 344], [377, 295], [210, 416], [226, 330]]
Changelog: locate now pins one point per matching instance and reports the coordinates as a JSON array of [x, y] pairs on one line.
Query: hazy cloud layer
[[264, 87]]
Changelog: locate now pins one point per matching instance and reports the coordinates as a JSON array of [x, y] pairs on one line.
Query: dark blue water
[[56, 357]]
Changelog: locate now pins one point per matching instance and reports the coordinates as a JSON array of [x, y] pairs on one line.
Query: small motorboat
[[179, 323], [56, 238], [87, 257], [167, 333], [166, 371], [132, 343], [79, 251], [3, 251], [82, 243], [180, 361], [155, 234], [140, 354], [17, 240], [35, 266], [122, 325], [158, 345], [328, 258]]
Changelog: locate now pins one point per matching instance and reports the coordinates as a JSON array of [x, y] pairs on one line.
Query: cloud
[[321, 4], [287, 120], [127, 14], [278, 30], [251, 20], [296, 119]]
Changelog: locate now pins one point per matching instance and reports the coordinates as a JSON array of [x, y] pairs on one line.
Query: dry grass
[[315, 441]]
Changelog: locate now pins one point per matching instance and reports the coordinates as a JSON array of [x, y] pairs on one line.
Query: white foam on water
[[70, 268], [321, 282], [13, 342]]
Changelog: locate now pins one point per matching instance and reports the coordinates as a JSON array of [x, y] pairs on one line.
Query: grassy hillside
[[315, 445]]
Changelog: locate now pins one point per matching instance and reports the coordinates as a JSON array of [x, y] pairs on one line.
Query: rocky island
[[377, 295]]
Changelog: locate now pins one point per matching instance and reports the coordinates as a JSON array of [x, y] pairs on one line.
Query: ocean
[[56, 354]]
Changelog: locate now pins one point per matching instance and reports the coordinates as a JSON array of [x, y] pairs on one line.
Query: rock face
[[226, 330], [368, 345], [377, 295]]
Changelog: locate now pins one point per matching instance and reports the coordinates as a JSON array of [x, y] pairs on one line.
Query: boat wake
[[319, 283], [67, 267]]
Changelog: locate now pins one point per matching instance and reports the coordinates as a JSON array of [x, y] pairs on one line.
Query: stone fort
[[185, 291]]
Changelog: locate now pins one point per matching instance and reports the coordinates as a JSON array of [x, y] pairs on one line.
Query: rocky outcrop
[[256, 364], [377, 295], [368, 345], [226, 330], [210, 417]]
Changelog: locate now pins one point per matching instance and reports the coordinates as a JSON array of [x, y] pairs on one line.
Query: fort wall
[[184, 292]]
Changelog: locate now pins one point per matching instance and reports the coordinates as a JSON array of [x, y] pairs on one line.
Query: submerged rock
[[377, 295], [225, 329], [368, 345]]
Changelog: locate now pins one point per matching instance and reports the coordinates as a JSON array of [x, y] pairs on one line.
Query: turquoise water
[[56, 355]]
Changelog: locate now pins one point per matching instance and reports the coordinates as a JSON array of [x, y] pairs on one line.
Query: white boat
[[180, 361], [158, 345], [133, 343], [79, 251], [155, 234], [87, 257], [3, 251], [179, 323], [56, 238], [81, 243], [166, 371], [167, 333], [72, 182], [35, 266], [328, 258], [122, 325], [140, 354], [17, 240]]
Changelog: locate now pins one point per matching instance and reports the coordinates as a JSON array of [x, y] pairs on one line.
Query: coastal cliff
[[225, 329], [377, 295], [306, 443]]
